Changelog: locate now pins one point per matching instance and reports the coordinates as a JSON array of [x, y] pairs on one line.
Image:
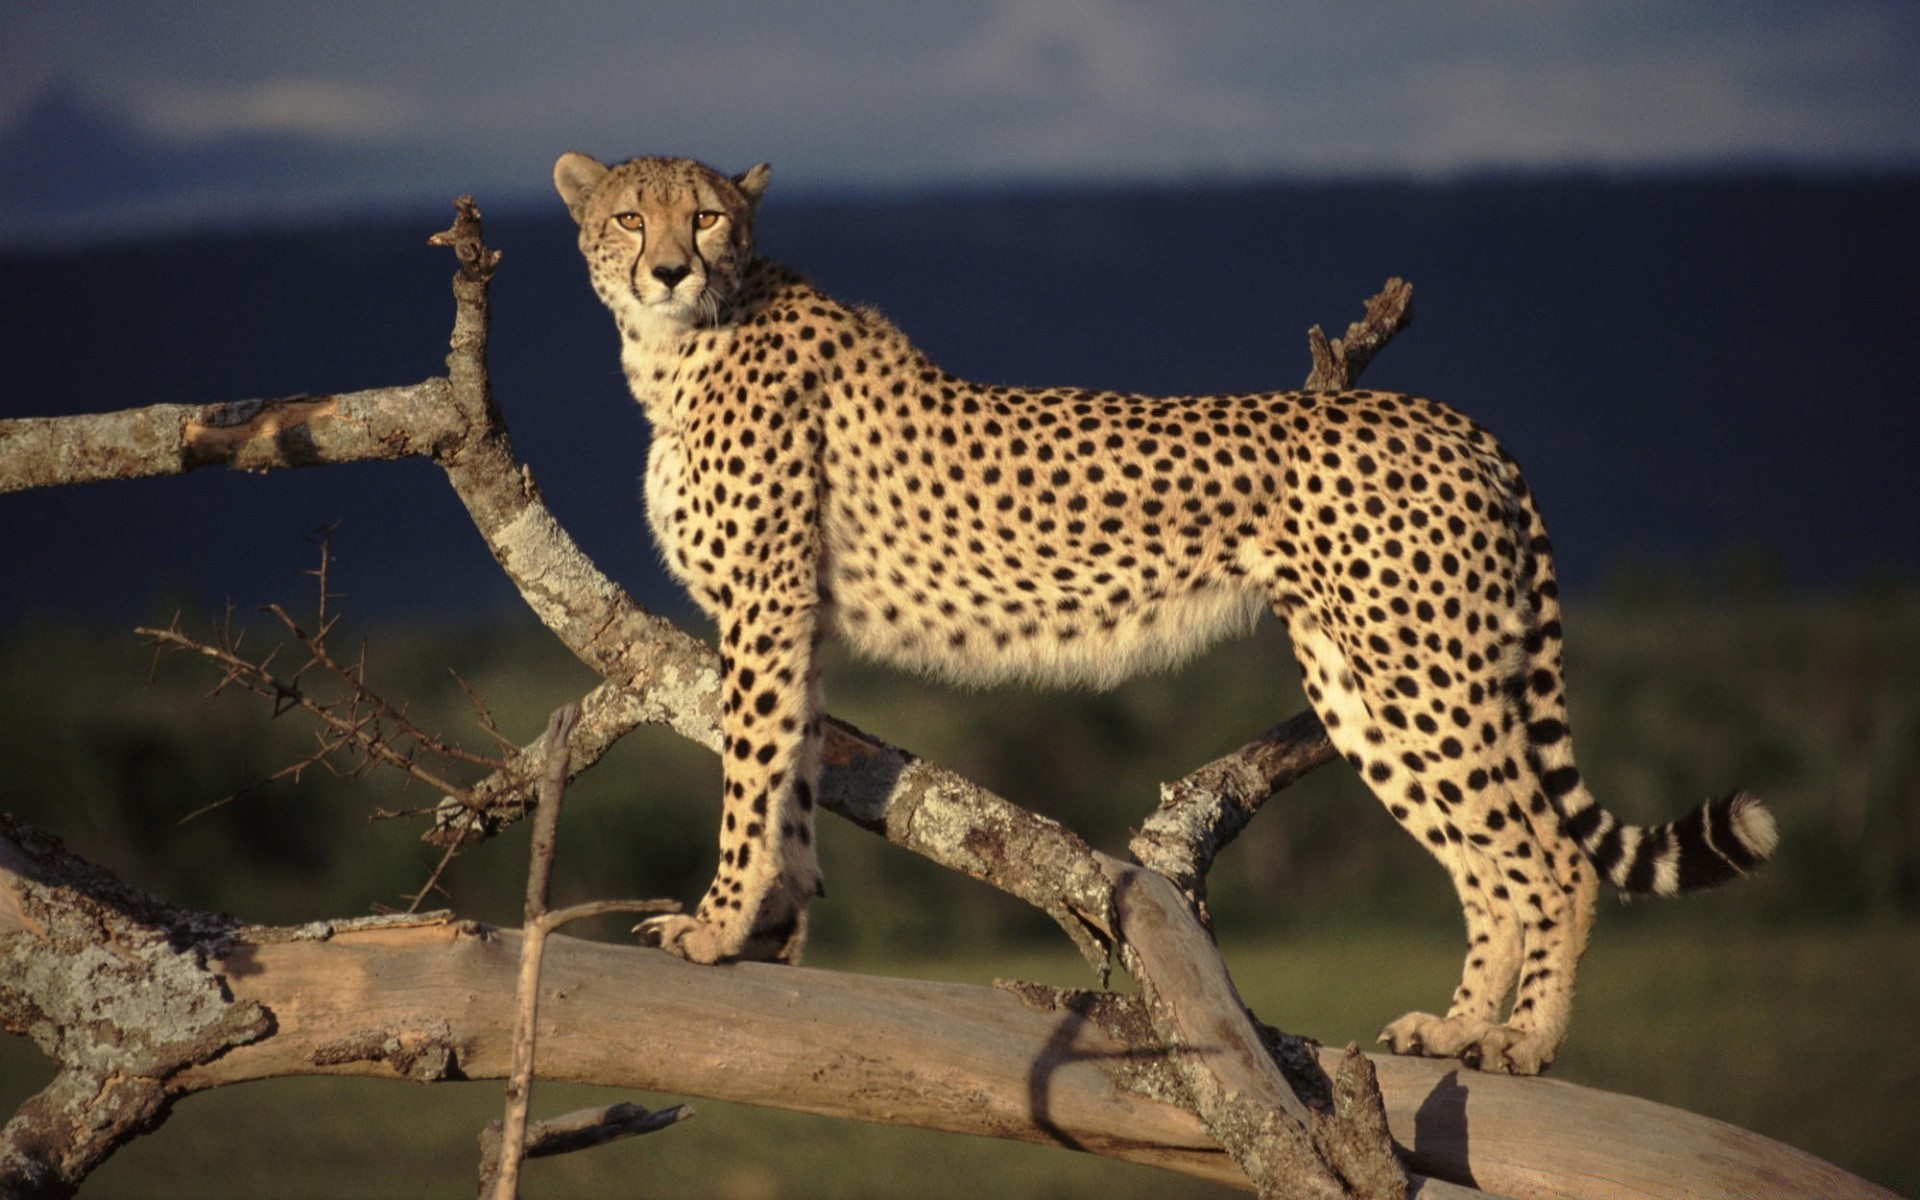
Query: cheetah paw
[[1477, 1043], [689, 937], [777, 936]]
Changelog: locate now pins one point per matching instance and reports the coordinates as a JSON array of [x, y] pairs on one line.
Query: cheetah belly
[[969, 638]]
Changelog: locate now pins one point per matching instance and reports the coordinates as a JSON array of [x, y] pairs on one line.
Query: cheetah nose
[[672, 275]]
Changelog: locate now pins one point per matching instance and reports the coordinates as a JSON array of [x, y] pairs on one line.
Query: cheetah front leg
[[756, 906]]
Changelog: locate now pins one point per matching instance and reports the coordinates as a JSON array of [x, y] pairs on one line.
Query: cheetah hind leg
[[1478, 1043], [1500, 938], [1471, 1031], [1545, 902]]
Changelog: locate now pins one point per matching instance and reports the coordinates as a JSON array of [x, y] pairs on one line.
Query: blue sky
[[121, 116]]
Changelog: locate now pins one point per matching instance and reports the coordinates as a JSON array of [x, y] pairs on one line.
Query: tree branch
[[429, 999], [942, 1058], [1199, 815], [113, 986], [1230, 1077], [500, 1167], [1337, 364], [380, 424]]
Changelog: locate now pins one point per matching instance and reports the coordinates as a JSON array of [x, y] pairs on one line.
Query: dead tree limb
[[115, 988], [1200, 814], [1337, 364], [672, 679], [1225, 1067], [381, 424], [431, 998]]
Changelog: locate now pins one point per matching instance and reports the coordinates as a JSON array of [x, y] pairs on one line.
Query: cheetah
[[813, 475]]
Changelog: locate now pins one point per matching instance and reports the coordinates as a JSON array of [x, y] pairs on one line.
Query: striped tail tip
[[1723, 840], [1754, 823]]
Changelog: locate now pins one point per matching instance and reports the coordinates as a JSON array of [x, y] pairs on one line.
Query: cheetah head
[[666, 239]]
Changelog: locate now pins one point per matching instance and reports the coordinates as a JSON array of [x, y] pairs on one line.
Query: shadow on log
[[432, 998]]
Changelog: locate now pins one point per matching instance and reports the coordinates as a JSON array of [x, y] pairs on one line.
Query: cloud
[[1041, 51], [1825, 86], [1091, 86], [77, 166], [328, 108], [371, 100]]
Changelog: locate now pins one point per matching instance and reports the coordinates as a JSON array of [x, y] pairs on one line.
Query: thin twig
[[546, 828], [433, 880], [286, 697], [554, 919], [359, 693], [580, 1130], [540, 921], [483, 716], [358, 720]]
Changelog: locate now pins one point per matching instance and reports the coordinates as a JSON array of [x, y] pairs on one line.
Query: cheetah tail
[[1721, 840]]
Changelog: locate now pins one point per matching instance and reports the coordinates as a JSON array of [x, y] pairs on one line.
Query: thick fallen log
[[935, 1055], [432, 998]]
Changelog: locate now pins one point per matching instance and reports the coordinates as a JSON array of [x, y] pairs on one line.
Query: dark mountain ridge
[[1688, 366]]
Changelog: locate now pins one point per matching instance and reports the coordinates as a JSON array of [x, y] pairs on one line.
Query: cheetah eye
[[705, 219], [629, 221]]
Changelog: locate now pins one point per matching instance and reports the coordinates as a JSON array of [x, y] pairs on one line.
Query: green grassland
[[1778, 1004]]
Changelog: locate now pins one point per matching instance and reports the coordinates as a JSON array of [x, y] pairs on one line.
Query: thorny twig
[[432, 884], [358, 729], [346, 724], [483, 716]]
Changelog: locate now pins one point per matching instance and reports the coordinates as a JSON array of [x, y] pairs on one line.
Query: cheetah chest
[[670, 515]]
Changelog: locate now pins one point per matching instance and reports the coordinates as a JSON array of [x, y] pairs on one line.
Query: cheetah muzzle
[[811, 474]]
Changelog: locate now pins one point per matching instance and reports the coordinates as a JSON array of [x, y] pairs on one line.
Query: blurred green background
[[1775, 1004]]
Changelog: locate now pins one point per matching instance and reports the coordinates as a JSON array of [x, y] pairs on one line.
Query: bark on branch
[[1167, 1080], [431, 998]]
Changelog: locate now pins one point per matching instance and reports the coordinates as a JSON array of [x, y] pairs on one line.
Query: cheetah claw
[[688, 937], [1479, 1044]]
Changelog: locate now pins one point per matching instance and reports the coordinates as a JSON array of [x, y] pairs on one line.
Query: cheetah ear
[[753, 183], [575, 176]]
